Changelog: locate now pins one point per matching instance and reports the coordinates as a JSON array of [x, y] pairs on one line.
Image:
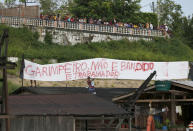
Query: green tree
[[167, 10], [121, 10], [48, 38], [188, 30], [125, 10], [10, 3], [170, 13], [62, 7], [48, 6]]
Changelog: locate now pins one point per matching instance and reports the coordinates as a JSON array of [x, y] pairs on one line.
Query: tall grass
[[11, 87]]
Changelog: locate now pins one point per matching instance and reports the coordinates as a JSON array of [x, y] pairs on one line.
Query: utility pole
[[153, 7], [158, 11], [4, 65], [25, 3]]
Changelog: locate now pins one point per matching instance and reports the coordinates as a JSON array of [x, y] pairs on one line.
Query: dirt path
[[81, 83]]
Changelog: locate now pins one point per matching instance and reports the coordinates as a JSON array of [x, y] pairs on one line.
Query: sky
[[187, 6]]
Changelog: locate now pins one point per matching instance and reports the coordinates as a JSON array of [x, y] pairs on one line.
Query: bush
[[48, 38], [144, 18], [11, 87]]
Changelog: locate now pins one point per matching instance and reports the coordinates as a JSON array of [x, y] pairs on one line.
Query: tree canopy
[[121, 10], [48, 6], [9, 3], [170, 13], [168, 10], [53, 6]]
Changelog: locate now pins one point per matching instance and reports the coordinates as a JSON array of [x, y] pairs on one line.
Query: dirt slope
[[81, 83]]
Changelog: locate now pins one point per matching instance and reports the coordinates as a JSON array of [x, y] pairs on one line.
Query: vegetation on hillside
[[11, 87], [178, 48], [23, 41]]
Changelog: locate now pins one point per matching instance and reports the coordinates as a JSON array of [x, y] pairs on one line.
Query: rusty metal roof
[[71, 105], [105, 93]]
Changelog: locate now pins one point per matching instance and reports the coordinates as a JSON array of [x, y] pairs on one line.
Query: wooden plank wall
[[42, 123], [27, 12]]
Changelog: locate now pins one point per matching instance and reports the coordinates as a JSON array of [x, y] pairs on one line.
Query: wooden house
[[178, 100], [65, 108], [72, 112]]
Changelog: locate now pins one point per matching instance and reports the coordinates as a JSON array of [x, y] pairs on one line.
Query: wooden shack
[[72, 112], [178, 100]]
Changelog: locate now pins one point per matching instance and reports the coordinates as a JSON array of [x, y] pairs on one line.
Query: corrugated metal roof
[[74, 104], [105, 93], [184, 82]]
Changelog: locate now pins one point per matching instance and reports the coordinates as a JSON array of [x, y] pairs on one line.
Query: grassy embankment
[[23, 41]]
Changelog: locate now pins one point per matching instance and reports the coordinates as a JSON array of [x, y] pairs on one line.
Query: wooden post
[[6, 86], [136, 121], [5, 65], [74, 125], [163, 96], [22, 69], [3, 55], [86, 125], [173, 109], [130, 123]]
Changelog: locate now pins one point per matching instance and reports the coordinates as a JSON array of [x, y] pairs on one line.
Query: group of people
[[113, 22]]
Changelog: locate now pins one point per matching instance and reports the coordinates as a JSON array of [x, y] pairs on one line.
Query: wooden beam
[[182, 86], [157, 92], [123, 96], [166, 100], [6, 116], [183, 100], [149, 88], [119, 124], [110, 123], [100, 118], [175, 92], [130, 94]]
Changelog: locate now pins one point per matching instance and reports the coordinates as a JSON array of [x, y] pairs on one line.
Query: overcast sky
[[187, 6]]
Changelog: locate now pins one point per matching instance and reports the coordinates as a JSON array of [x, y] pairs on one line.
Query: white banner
[[105, 69]]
